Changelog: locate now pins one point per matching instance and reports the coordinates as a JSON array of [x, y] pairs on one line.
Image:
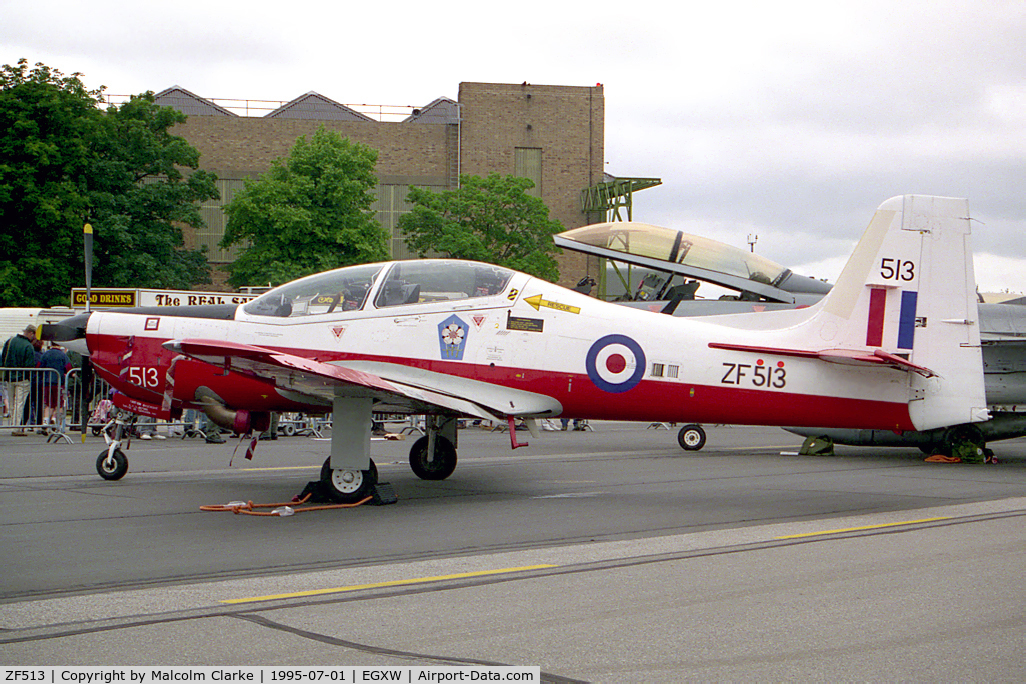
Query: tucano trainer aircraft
[[894, 345]]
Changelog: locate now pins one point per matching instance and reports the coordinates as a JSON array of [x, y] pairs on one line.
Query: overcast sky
[[790, 121]]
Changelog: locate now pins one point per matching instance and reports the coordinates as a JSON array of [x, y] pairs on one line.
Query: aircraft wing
[[502, 400], [396, 387], [842, 356]]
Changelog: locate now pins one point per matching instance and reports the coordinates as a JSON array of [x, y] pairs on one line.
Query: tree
[[310, 212], [64, 161], [489, 219], [140, 197], [46, 129]]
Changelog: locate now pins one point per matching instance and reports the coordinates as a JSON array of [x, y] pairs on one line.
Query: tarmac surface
[[603, 556]]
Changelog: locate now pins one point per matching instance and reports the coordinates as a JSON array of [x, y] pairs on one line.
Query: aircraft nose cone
[[73, 328]]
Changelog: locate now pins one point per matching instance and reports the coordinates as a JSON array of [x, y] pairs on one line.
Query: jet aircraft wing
[[397, 387]]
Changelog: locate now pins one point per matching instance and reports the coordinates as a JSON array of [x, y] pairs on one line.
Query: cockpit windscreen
[[344, 289]]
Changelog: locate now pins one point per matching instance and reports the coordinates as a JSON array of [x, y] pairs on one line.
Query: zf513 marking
[[757, 375], [896, 269]]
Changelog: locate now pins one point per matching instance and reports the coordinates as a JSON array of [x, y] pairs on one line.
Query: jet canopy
[[383, 285], [692, 256]]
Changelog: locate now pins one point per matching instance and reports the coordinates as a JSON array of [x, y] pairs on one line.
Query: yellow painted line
[[867, 527], [393, 583], [257, 470]]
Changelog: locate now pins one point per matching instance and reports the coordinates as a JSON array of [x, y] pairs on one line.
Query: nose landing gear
[[112, 464]]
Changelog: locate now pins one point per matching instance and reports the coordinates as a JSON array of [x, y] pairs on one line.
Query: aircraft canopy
[[690, 256], [677, 247], [381, 285]]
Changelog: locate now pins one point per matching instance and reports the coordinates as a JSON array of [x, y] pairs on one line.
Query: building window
[[528, 164], [214, 221], [389, 204]]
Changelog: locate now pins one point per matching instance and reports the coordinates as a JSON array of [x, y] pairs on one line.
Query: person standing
[[17, 354], [53, 386], [34, 407]]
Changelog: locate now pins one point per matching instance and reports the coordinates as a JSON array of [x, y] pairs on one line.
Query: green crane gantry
[[613, 194]]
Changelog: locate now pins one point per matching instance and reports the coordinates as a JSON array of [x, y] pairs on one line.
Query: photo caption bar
[[267, 674]]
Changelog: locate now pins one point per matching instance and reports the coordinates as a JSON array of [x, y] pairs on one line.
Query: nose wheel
[[112, 465]]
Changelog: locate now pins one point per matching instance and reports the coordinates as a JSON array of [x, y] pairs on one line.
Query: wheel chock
[[383, 495], [817, 446]]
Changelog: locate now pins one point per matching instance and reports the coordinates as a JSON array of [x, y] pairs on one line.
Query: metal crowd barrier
[[67, 415], [34, 384], [99, 409]]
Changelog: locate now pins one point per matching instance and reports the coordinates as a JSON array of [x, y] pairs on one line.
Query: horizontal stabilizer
[[852, 357]]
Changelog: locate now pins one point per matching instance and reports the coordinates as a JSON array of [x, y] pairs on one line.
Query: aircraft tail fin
[[909, 292], [905, 300]]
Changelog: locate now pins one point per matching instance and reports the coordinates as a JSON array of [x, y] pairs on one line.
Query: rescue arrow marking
[[537, 302]]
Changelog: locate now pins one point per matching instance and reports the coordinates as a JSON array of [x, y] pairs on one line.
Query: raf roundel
[[615, 363]]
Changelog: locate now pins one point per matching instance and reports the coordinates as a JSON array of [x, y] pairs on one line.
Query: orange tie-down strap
[[280, 509], [941, 458]]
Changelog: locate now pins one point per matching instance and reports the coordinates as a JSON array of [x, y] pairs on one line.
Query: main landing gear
[[433, 466], [965, 441], [349, 474], [691, 437], [348, 486], [433, 457]]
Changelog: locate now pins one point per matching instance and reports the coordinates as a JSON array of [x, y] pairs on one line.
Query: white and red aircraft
[[895, 345]]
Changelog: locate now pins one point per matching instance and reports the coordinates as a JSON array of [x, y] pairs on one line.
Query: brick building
[[551, 134]]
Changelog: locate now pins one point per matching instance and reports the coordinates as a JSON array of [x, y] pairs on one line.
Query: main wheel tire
[[114, 469], [438, 468], [691, 437], [959, 434], [348, 486]]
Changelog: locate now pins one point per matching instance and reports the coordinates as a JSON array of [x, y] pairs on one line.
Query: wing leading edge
[[411, 389]]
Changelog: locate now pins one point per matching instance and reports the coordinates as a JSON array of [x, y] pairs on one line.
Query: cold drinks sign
[[120, 297]]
